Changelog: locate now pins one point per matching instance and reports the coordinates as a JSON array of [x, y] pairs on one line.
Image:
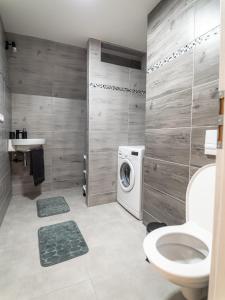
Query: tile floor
[[113, 269]]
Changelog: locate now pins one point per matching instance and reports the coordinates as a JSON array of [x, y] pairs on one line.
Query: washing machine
[[130, 174]]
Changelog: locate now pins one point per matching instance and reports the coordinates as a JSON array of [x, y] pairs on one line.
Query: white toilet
[[182, 253]]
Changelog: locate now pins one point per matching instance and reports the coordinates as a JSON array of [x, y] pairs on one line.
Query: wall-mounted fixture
[[211, 142], [12, 44], [2, 118]]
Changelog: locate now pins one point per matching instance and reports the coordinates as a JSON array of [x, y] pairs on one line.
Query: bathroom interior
[[110, 125]]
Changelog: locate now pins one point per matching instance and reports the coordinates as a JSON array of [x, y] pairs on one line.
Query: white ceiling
[[121, 22]]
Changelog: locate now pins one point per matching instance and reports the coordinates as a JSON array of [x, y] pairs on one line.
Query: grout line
[[114, 192], [192, 102], [168, 95], [147, 131], [92, 284], [164, 193], [205, 84], [157, 220], [59, 289], [182, 91], [128, 109], [165, 161], [166, 128], [185, 49]]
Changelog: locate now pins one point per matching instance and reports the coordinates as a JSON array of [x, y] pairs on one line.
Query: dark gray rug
[[60, 242], [52, 206]]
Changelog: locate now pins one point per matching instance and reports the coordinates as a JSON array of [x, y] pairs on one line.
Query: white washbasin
[[25, 144]]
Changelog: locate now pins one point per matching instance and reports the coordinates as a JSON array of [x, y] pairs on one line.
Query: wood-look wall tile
[[61, 183], [65, 105], [31, 112], [1, 93], [167, 177], [101, 141], [62, 171], [67, 156], [93, 55], [33, 122], [205, 109], [108, 110], [42, 67], [173, 77], [163, 11], [31, 104], [69, 140], [30, 48], [147, 218], [163, 207], [69, 114], [174, 32], [198, 157], [206, 61], [137, 79], [110, 74], [193, 170], [136, 138], [68, 82], [102, 176], [136, 113], [169, 112], [207, 16], [169, 99], [168, 144], [34, 79], [67, 166], [5, 109], [67, 55], [101, 199]]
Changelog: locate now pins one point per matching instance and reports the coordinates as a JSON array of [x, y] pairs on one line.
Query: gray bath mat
[[60, 242], [52, 206]]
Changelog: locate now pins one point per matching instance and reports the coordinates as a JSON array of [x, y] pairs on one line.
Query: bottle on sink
[[24, 133]]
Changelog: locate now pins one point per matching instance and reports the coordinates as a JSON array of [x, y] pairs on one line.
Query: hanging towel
[[37, 167]]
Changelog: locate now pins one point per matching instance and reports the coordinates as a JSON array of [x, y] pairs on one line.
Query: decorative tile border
[[184, 49], [117, 88]]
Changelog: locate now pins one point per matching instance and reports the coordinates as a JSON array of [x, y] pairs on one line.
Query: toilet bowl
[[182, 253]]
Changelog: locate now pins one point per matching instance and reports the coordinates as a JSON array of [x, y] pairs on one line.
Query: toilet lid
[[200, 197]]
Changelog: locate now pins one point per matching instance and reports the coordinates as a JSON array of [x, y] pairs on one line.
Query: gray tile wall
[[48, 82], [46, 68], [181, 104], [62, 122], [5, 109], [114, 118]]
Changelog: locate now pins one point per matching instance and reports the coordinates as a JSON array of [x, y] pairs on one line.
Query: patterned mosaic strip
[[184, 49], [117, 88]]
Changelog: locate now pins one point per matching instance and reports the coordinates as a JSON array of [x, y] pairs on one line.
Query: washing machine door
[[126, 175]]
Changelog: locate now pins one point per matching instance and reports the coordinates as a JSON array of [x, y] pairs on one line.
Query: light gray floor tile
[[136, 283], [114, 267], [81, 291]]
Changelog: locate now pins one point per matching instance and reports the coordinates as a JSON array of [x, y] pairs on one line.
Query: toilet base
[[195, 294]]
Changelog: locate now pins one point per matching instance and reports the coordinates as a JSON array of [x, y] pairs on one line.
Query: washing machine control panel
[[135, 153]]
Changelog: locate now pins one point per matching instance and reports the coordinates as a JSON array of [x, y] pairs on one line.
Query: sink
[[24, 145]]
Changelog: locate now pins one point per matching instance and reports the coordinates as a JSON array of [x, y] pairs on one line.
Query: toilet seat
[[199, 271]]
